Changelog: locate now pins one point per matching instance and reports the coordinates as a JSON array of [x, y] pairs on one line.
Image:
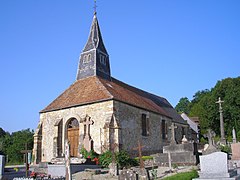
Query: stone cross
[[26, 151], [210, 135], [67, 160], [223, 140], [87, 140], [234, 136], [211, 148], [87, 122], [172, 128]]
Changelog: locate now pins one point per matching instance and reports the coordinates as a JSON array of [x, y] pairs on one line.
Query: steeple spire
[[94, 59]]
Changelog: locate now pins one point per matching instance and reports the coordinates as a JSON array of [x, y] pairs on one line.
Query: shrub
[[91, 154], [105, 158], [225, 149], [124, 160]]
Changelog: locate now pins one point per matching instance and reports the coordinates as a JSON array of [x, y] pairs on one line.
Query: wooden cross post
[[26, 151], [139, 148]]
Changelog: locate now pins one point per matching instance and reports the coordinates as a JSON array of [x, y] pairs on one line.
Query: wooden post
[[25, 152], [139, 148]]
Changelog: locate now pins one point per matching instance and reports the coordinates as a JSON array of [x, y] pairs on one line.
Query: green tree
[[2, 132], [183, 105], [204, 106], [12, 144]]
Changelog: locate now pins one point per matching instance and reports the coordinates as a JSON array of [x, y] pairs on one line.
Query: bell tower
[[94, 59]]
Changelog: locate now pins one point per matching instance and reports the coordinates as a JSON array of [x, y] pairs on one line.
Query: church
[[99, 112]]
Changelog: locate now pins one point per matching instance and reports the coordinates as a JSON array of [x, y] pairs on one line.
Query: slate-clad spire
[[94, 59]]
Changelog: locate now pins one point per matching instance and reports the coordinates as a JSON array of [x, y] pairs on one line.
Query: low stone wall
[[180, 158], [178, 148]]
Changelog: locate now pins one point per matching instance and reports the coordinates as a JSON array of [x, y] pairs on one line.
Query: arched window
[[89, 57], [85, 59]]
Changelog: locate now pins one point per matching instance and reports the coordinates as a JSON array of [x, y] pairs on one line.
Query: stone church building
[[102, 113]]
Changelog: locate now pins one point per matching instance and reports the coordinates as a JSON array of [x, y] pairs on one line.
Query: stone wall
[[114, 123], [129, 118], [99, 113]]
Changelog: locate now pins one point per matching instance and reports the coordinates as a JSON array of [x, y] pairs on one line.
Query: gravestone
[[172, 128], [211, 148], [214, 166], [235, 151], [2, 164], [87, 140], [180, 154]]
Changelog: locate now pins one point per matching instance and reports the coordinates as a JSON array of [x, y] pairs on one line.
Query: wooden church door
[[73, 137]]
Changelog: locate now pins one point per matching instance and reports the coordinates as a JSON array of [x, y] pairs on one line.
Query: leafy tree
[[12, 144], [183, 105], [204, 106], [2, 132]]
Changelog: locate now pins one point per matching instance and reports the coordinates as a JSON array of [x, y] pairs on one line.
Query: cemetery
[[102, 128]]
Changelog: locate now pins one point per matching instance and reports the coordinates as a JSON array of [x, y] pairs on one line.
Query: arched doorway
[[73, 136]]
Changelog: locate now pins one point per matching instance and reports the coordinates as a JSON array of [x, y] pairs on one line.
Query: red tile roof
[[95, 89]]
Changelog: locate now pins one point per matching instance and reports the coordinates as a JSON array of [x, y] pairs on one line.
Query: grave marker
[[172, 128], [87, 140], [2, 164], [26, 152], [67, 160]]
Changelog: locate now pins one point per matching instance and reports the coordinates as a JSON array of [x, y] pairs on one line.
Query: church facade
[[99, 112]]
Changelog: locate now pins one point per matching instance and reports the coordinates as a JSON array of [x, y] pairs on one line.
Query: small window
[[183, 131], [164, 130], [145, 125], [102, 60], [85, 59], [89, 57]]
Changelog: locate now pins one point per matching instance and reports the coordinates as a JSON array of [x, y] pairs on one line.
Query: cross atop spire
[[95, 7]]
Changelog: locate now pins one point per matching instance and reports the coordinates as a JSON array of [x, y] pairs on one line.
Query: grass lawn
[[183, 176]]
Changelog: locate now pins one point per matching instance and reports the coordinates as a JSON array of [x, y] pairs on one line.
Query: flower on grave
[[89, 157], [96, 160], [33, 174]]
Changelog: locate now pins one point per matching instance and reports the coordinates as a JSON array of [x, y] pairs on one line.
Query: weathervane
[[95, 7]]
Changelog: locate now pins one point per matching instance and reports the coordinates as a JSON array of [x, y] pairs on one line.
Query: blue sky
[[171, 48]]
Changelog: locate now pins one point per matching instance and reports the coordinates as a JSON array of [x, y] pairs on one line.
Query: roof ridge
[[98, 78]]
